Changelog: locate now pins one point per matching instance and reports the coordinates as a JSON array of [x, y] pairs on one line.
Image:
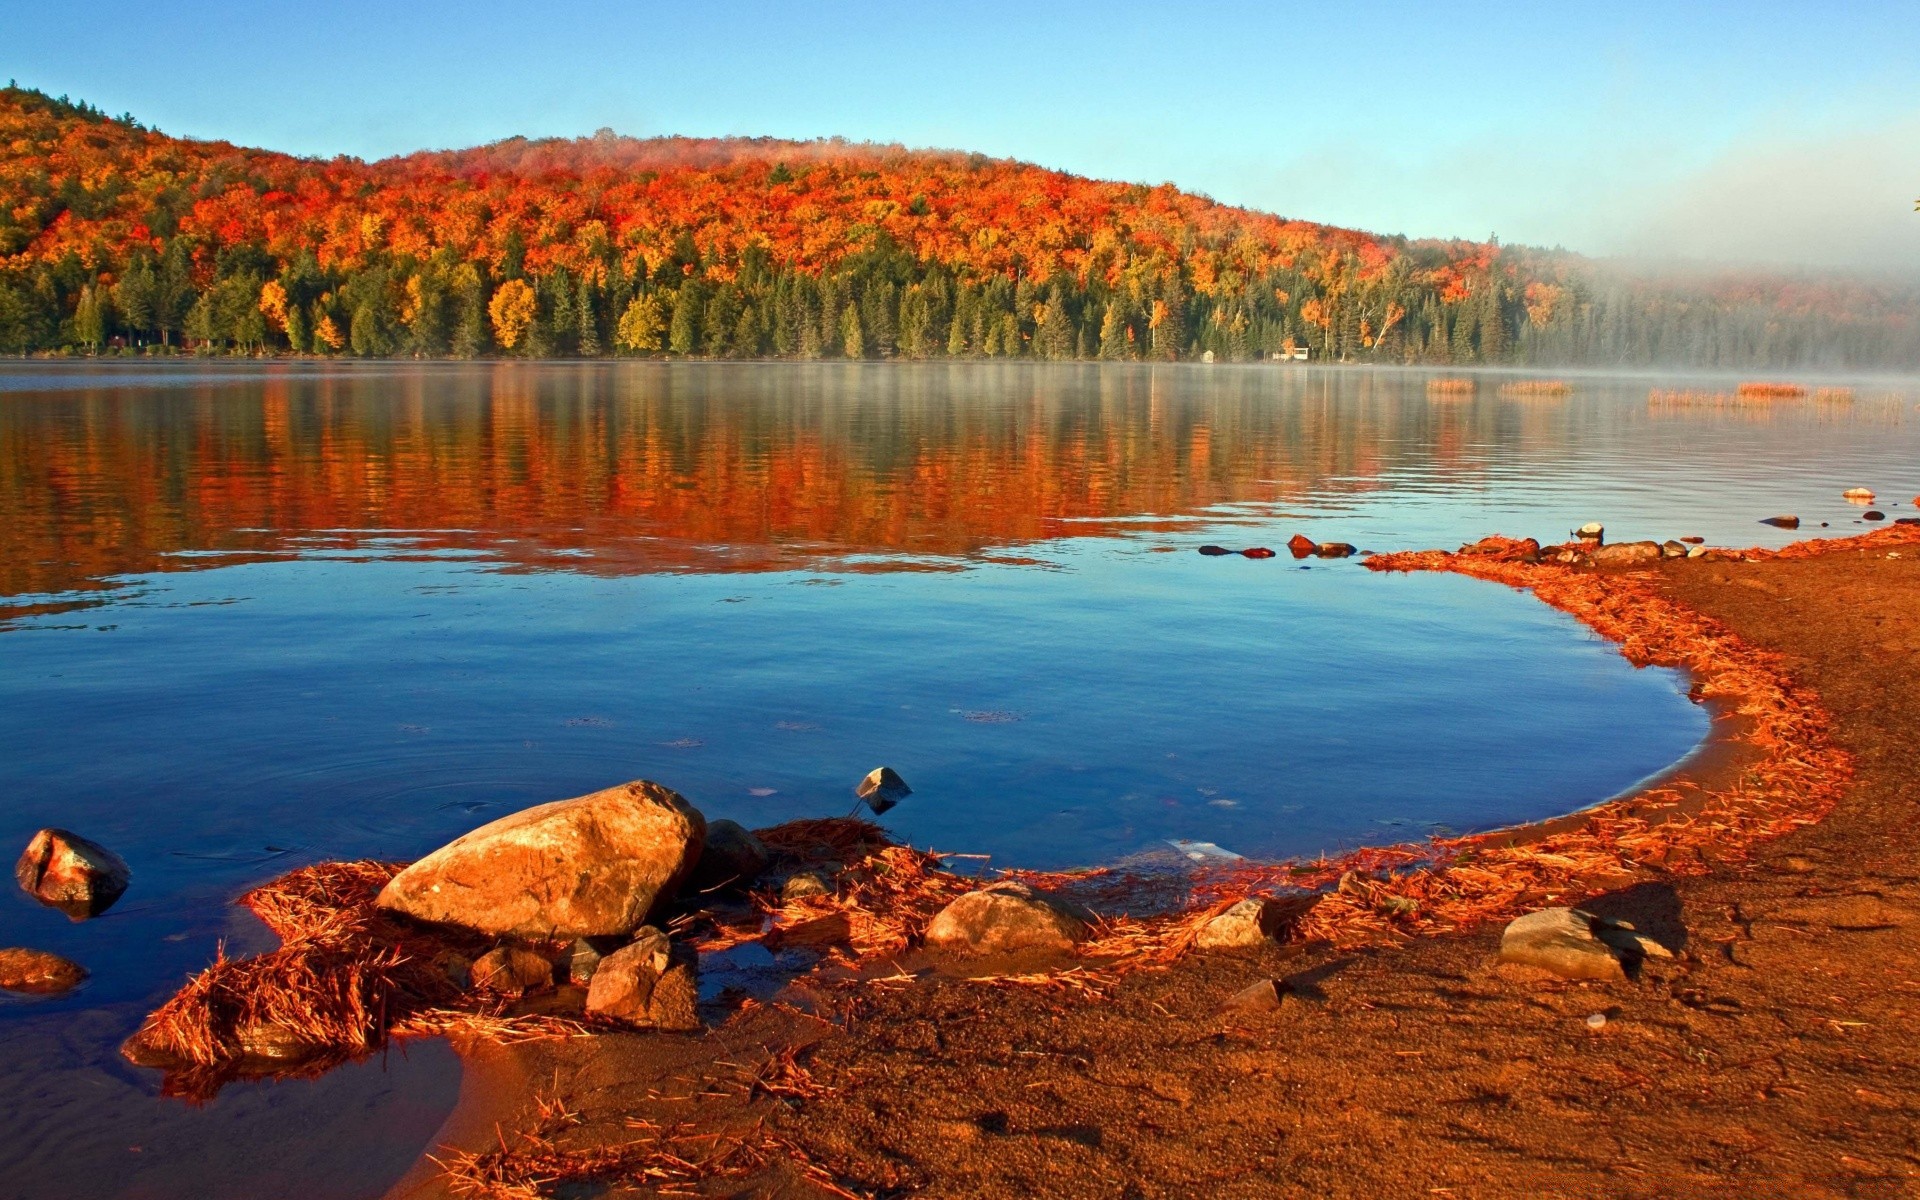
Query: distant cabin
[[1297, 354]]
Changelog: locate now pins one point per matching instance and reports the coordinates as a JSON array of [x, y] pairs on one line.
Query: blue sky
[[1755, 131]]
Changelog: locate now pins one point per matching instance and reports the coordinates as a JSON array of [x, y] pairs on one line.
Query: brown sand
[[1776, 1056]]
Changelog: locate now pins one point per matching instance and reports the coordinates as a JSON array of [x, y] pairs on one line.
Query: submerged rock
[[882, 789], [593, 866], [651, 984], [1214, 551], [1334, 550], [731, 857], [1256, 552], [1781, 522], [38, 972], [1873, 514], [79, 877], [1008, 916], [1620, 554], [1569, 943], [512, 971]]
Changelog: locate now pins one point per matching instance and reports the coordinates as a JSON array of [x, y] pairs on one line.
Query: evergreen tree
[[90, 319]]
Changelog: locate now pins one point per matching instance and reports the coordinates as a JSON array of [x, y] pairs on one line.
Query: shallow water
[[252, 616]]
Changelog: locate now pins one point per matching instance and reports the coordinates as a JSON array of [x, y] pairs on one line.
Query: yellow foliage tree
[[512, 310], [273, 302], [643, 326]]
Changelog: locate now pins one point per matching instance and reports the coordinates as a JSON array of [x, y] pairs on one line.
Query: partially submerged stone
[[1563, 941], [1008, 916], [79, 877], [1215, 551], [882, 789], [1300, 545], [1334, 550], [593, 866], [38, 972], [650, 983], [1781, 522], [512, 971], [1592, 531], [732, 857]]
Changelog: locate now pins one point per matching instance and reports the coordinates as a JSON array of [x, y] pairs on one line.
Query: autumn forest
[[115, 238]]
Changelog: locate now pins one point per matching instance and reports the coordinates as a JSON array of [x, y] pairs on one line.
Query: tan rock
[[37, 972], [1254, 921], [512, 971], [1562, 941], [882, 789], [593, 866], [802, 884], [1008, 916], [1623, 554], [81, 878], [650, 983]]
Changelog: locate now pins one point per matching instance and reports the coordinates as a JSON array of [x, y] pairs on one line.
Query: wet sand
[[1774, 1056]]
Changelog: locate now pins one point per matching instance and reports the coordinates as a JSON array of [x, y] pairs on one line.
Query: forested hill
[[114, 236]]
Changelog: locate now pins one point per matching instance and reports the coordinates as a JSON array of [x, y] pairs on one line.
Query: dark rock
[[1782, 522], [1334, 550], [1873, 514], [732, 857], [1906, 520], [79, 877], [1300, 545], [512, 971], [1214, 551], [583, 958], [802, 884], [651, 984], [1694, 540], [1263, 996], [457, 967], [37, 972], [1008, 916], [1257, 552], [1619, 554], [594, 866], [882, 789]]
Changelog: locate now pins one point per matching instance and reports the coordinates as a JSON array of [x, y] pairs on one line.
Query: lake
[[256, 615]]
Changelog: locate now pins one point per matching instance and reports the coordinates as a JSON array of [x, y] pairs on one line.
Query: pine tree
[[90, 319], [853, 338]]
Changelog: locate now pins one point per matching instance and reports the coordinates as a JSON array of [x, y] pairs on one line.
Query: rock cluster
[[649, 983]]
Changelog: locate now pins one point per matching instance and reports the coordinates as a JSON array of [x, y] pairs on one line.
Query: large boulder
[[732, 857], [79, 877], [594, 866], [1008, 916], [650, 983], [37, 972]]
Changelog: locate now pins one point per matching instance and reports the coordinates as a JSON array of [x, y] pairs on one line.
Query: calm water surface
[[257, 616]]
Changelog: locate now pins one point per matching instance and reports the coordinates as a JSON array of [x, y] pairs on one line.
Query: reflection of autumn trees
[[655, 468]]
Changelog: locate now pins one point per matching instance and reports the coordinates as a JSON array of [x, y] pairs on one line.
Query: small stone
[[1008, 916], [1781, 522], [1693, 539], [1620, 554], [1623, 938], [1673, 548], [1256, 552], [1597, 1021], [79, 877], [1334, 550], [1873, 514], [1263, 996], [512, 971], [1254, 921], [37, 972], [1214, 551], [1301, 546], [1562, 941], [802, 884], [882, 789], [457, 967], [1698, 552], [651, 984], [1592, 531], [1863, 495], [732, 857], [585, 955]]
